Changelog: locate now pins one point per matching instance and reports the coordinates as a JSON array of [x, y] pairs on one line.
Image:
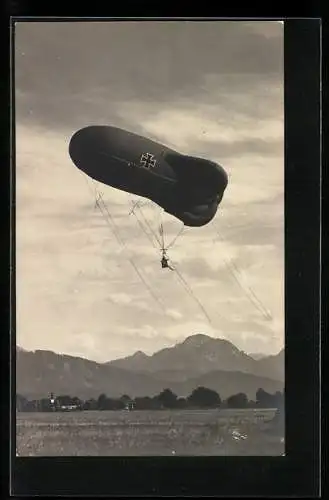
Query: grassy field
[[186, 432]]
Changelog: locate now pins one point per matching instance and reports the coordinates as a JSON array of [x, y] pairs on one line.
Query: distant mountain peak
[[200, 339], [139, 354], [197, 339], [135, 361]]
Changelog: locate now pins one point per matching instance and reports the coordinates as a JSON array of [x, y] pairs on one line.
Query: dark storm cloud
[[60, 65]]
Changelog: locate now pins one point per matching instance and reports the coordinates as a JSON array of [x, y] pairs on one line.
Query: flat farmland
[[138, 433]]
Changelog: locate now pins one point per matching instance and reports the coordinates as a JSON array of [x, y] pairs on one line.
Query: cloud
[[82, 65], [91, 283]]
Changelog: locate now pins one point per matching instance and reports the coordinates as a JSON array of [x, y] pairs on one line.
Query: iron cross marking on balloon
[[147, 160]]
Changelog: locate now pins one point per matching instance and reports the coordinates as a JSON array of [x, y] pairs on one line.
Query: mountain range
[[200, 354], [197, 361]]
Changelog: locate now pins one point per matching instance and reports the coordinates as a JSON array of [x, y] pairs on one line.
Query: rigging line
[[136, 204], [259, 302], [267, 312], [183, 281], [252, 291], [242, 288], [175, 238], [190, 291], [156, 214], [98, 198], [144, 231], [146, 221], [119, 238], [88, 185], [149, 226], [160, 229], [162, 235], [163, 246], [155, 218], [148, 287], [258, 305], [121, 242], [262, 307], [133, 206], [142, 227], [139, 204], [156, 221], [232, 266]]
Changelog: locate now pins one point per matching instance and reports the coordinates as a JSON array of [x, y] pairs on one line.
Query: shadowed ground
[[224, 432]]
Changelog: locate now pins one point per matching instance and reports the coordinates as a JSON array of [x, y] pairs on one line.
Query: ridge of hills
[[198, 361]]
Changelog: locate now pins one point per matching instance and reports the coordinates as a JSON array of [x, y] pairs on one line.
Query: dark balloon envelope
[[187, 187]]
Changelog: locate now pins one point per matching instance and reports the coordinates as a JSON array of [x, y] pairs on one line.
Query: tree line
[[200, 398]]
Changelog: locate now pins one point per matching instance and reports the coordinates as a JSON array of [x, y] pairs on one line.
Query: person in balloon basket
[[165, 262]]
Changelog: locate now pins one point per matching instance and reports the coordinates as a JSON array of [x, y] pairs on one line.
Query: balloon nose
[[76, 146], [84, 146]]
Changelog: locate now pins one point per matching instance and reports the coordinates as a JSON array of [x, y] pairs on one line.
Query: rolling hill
[[40, 372]]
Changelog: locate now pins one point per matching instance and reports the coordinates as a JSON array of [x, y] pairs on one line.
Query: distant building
[[130, 405], [68, 408], [52, 401], [56, 405]]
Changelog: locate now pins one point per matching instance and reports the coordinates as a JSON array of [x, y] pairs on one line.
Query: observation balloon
[[186, 187]]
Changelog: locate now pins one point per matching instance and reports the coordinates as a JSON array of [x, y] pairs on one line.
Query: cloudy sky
[[93, 287]]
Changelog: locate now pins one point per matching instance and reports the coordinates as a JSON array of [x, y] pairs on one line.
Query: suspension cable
[[149, 226], [161, 241], [175, 238], [143, 229], [115, 232], [191, 293], [162, 236], [254, 300], [100, 203]]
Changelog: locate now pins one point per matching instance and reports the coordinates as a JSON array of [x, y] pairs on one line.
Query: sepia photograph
[[149, 230]]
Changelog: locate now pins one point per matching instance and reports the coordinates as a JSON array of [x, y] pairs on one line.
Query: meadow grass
[[157, 433]]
